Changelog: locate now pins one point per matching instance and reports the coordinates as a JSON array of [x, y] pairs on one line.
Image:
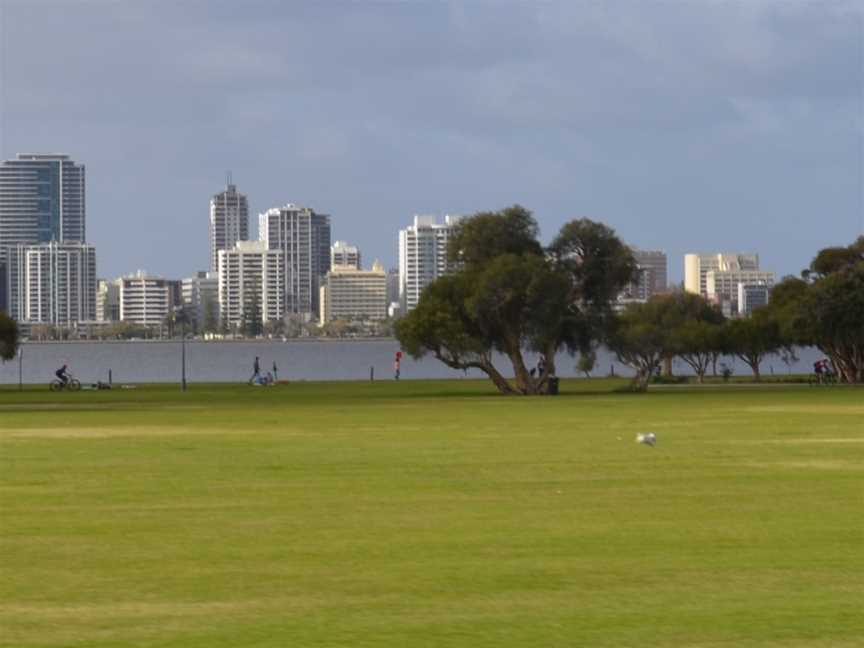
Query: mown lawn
[[431, 514]]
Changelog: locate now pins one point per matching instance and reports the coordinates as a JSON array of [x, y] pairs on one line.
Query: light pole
[[179, 310], [20, 368]]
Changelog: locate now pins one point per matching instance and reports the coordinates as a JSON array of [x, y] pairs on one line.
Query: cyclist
[[818, 367], [63, 375]]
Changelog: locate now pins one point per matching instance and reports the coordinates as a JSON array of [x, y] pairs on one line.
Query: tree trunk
[[667, 365]]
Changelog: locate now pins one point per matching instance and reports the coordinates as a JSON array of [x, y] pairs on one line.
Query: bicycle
[[57, 385], [822, 379]]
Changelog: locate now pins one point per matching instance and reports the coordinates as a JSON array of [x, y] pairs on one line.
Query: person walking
[[275, 371], [256, 371]]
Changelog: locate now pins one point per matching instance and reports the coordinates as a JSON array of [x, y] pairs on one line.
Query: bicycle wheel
[[73, 385], [55, 385]]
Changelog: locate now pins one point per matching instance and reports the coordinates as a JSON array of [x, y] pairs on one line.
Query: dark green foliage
[[8, 337], [826, 309], [509, 295], [753, 338]]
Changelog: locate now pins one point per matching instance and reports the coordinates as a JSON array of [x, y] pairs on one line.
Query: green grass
[[431, 514]]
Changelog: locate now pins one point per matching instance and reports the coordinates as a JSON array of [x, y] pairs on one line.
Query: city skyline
[[685, 128]]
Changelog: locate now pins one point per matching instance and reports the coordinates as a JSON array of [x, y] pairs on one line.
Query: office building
[[146, 300], [200, 297], [652, 273], [321, 239], [342, 254], [722, 285], [697, 267], [108, 300], [422, 256], [229, 221], [251, 284], [52, 283], [351, 294], [304, 239], [752, 296]]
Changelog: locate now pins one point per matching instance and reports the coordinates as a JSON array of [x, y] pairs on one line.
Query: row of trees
[[647, 336], [510, 294]]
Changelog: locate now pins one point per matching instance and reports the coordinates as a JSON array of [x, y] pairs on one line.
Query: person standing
[[275, 371], [256, 371]]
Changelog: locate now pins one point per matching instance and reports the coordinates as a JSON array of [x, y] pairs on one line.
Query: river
[[160, 362]]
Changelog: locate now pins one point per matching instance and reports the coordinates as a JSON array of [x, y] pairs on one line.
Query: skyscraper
[[229, 221], [42, 200], [304, 238], [422, 256]]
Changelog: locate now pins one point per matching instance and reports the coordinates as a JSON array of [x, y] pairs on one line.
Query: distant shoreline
[[302, 340]]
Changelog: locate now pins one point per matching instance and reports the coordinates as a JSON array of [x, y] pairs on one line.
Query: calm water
[[132, 362]]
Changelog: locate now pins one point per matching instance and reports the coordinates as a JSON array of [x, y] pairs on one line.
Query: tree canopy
[[8, 337], [509, 295], [825, 309]]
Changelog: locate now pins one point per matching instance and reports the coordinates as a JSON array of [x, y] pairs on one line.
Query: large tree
[[8, 337], [753, 338], [695, 330], [825, 309], [639, 337], [510, 295]]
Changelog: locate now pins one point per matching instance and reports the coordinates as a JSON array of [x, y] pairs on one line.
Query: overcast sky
[[685, 125]]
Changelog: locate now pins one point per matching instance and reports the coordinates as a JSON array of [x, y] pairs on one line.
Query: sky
[[687, 126]]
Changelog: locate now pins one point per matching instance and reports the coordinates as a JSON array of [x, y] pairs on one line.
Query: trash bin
[[553, 386]]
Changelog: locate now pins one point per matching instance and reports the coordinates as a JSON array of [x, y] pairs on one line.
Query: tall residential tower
[[422, 256], [229, 221]]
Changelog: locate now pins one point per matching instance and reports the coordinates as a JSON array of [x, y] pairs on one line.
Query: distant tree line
[[510, 295]]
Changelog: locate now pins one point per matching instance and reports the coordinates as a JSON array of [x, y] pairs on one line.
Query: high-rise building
[[304, 238], [342, 254], [422, 256], [352, 294], [697, 267], [652, 269], [229, 221], [251, 284], [146, 300], [52, 283], [321, 236], [42, 199]]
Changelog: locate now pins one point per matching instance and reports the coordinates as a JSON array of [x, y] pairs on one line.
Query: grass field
[[432, 514]]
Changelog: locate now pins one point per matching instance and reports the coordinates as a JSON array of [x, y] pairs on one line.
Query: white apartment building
[[145, 300], [422, 256], [53, 283], [722, 286], [304, 239], [342, 254], [697, 267], [251, 276], [107, 300], [229, 221], [752, 296], [352, 294]]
